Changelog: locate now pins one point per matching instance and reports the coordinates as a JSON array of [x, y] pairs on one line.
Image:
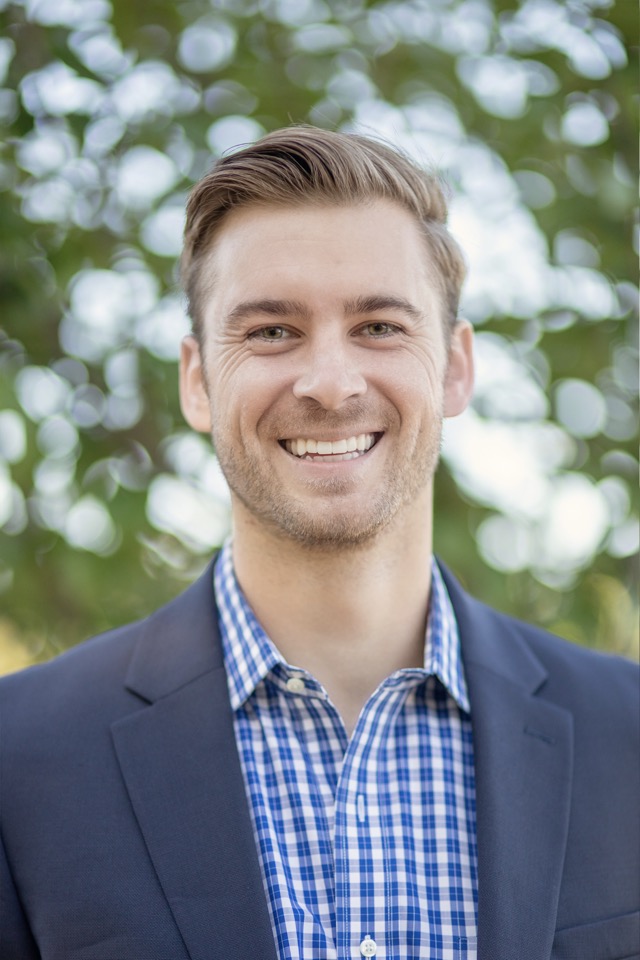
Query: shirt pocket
[[617, 938]]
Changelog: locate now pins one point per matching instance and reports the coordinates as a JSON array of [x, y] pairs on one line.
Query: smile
[[331, 450]]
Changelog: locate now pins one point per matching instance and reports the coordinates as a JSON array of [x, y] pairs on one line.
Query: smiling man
[[324, 367], [324, 748]]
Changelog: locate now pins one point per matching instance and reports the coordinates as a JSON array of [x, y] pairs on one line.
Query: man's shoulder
[[568, 672], [96, 671], [601, 690], [592, 674], [84, 674]]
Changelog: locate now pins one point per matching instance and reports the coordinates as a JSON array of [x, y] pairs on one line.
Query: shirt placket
[[361, 862]]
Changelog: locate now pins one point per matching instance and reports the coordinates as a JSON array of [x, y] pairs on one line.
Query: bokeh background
[[108, 504]]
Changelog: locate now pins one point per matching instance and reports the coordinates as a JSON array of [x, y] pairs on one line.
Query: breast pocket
[[617, 938]]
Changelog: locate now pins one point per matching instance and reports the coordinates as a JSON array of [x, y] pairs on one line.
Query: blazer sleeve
[[16, 940]]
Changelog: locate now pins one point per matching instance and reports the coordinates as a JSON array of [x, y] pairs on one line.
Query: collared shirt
[[367, 844]]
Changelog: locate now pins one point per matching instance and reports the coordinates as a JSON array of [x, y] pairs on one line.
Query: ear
[[194, 399], [458, 384]]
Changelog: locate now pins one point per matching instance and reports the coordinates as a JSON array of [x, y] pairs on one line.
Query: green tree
[[107, 503]]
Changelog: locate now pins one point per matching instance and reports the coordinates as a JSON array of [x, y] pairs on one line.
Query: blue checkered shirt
[[367, 845]]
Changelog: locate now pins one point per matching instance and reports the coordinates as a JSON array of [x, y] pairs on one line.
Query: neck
[[350, 617]]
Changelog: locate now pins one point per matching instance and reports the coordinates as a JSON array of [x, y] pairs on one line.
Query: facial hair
[[331, 525]]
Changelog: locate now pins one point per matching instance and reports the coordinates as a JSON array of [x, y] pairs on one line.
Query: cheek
[[246, 391], [414, 385]]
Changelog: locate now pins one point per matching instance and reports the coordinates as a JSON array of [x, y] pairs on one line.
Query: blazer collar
[[493, 641], [178, 643]]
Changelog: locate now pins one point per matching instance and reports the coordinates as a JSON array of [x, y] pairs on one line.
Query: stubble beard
[[327, 529]]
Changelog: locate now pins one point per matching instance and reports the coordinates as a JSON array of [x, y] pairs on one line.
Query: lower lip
[[333, 457]]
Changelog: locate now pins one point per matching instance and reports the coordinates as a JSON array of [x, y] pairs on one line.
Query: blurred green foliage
[[111, 111]]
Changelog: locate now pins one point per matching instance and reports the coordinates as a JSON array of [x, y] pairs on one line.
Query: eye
[[271, 334], [379, 329]]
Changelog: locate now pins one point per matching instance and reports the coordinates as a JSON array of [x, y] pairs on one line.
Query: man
[[324, 748]]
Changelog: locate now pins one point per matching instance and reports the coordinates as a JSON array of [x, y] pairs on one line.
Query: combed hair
[[304, 165]]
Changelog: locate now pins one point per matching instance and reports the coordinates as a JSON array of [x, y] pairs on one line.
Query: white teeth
[[326, 448]]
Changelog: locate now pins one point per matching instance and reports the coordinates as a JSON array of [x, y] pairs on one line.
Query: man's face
[[324, 373]]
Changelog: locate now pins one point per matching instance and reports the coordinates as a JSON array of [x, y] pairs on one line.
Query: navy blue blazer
[[126, 832]]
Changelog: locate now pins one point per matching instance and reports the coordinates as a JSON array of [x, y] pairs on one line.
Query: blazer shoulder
[[557, 669], [95, 654], [595, 672], [601, 690], [41, 700], [101, 673]]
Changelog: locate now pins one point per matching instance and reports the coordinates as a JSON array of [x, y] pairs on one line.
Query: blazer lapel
[[181, 768], [523, 758]]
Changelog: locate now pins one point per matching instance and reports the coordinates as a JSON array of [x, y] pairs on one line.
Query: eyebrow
[[272, 308], [374, 303], [377, 303]]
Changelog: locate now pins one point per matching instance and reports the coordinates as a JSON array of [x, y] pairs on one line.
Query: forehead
[[313, 252]]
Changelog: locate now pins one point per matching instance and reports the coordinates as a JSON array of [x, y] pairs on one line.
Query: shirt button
[[295, 685], [368, 947]]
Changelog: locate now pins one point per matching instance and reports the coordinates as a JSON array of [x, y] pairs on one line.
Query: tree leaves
[[112, 112]]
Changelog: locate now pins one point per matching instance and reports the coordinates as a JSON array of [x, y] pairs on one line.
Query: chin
[[337, 530]]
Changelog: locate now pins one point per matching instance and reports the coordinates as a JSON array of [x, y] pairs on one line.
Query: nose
[[330, 376]]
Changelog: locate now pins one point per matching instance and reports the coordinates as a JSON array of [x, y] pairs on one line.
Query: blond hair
[[303, 165]]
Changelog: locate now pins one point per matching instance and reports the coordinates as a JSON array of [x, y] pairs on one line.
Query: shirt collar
[[249, 654]]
